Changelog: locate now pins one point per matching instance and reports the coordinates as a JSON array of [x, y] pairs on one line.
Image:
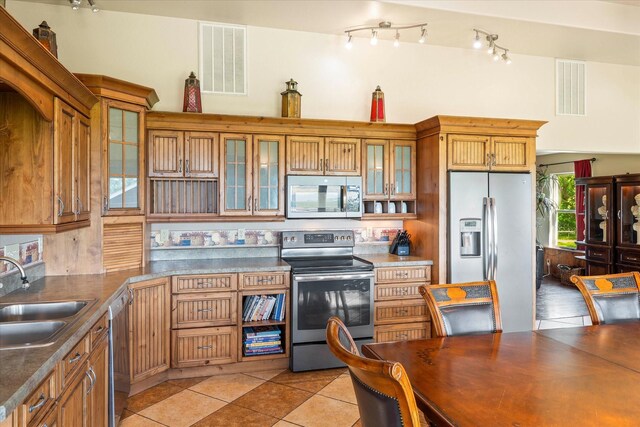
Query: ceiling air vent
[[223, 58], [571, 88]]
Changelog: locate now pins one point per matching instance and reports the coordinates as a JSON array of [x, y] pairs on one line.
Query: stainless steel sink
[[40, 310], [29, 334]]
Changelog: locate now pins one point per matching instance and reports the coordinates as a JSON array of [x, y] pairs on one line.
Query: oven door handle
[[316, 278]]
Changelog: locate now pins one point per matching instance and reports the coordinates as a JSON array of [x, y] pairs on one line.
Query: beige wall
[[606, 164], [419, 81]]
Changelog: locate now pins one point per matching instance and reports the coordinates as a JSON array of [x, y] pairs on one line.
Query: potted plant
[[544, 206]]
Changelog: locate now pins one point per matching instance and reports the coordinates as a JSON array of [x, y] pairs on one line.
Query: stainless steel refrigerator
[[490, 228]]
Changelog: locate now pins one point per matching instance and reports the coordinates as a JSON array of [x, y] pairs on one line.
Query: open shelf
[[282, 325], [389, 209], [263, 323]]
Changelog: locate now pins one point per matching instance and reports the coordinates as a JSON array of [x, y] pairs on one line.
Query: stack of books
[[261, 340], [263, 307]]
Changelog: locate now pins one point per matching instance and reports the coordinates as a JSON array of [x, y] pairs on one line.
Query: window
[[223, 58], [564, 221]]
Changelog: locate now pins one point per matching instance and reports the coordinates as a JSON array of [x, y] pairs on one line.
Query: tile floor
[[269, 398], [560, 306]]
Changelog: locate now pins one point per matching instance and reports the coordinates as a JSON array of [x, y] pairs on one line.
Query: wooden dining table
[[581, 376]]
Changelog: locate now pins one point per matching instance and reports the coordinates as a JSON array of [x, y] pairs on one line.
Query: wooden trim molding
[[120, 90], [478, 125], [30, 69]]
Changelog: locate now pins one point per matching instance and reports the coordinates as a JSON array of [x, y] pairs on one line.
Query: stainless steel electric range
[[327, 280]]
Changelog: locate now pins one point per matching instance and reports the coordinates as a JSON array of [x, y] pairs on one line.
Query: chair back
[[611, 298], [383, 391], [463, 308]]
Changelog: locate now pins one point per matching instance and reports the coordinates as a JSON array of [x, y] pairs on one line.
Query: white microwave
[[324, 196]]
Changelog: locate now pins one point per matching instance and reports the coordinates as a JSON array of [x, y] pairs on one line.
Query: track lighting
[[76, 4], [384, 26], [374, 38], [493, 49]]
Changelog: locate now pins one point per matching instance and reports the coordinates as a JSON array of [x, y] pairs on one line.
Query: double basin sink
[[38, 324]]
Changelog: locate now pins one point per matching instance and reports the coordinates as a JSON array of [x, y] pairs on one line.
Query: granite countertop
[[22, 370], [390, 260]]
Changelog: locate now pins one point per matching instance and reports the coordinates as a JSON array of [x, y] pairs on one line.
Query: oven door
[[317, 297]]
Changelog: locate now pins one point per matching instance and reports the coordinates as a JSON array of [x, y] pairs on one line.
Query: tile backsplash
[[26, 249]]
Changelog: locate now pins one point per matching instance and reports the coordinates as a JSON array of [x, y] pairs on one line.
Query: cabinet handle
[[386, 188], [180, 166], [80, 206], [186, 166], [249, 203], [75, 358], [60, 206], [255, 203], [619, 214], [131, 295], [97, 331], [41, 400], [403, 336], [92, 379], [402, 274], [204, 347], [268, 279], [326, 164], [632, 258], [105, 204], [488, 161], [204, 310], [393, 188]]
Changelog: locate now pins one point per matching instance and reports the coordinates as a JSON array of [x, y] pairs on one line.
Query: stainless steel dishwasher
[[118, 357]]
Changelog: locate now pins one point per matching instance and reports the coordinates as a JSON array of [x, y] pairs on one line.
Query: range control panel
[[317, 239]]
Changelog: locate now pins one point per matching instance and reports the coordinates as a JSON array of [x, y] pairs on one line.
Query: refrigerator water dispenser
[[470, 238]]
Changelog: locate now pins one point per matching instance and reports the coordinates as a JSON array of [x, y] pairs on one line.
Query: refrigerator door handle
[[486, 242], [494, 219]]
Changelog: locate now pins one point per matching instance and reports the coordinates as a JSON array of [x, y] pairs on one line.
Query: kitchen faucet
[[23, 275]]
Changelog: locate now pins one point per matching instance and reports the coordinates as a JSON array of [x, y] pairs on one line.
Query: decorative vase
[[377, 106], [192, 101], [46, 37], [291, 100]]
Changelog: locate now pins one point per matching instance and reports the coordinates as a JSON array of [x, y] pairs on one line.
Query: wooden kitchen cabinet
[[400, 311], [183, 154], [98, 394], [495, 153], [323, 156], [251, 175], [72, 407], [389, 170], [149, 319], [44, 140]]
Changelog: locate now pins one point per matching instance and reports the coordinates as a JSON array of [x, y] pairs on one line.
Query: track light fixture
[[386, 26], [75, 5], [492, 48]]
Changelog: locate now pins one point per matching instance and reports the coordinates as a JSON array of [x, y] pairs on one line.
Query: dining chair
[[611, 298], [383, 391], [463, 308]]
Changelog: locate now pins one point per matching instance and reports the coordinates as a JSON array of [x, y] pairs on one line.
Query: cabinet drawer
[[205, 309], [598, 254], [264, 280], [202, 347], [73, 361], [50, 419], [401, 311], [403, 332], [99, 329], [394, 291], [38, 403], [207, 282], [629, 257], [408, 274]]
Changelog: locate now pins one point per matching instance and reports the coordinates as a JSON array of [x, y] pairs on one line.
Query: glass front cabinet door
[[628, 196], [123, 192], [236, 196], [268, 174], [402, 164], [599, 214]]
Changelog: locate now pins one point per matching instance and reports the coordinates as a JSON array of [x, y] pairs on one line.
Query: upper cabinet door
[[512, 153], [201, 154], [166, 153], [468, 152], [123, 165], [375, 177], [342, 156], [599, 214], [305, 155], [65, 128], [628, 200], [268, 175], [402, 170], [83, 169], [236, 195]]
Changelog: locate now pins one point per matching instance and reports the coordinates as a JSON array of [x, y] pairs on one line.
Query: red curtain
[[582, 169]]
